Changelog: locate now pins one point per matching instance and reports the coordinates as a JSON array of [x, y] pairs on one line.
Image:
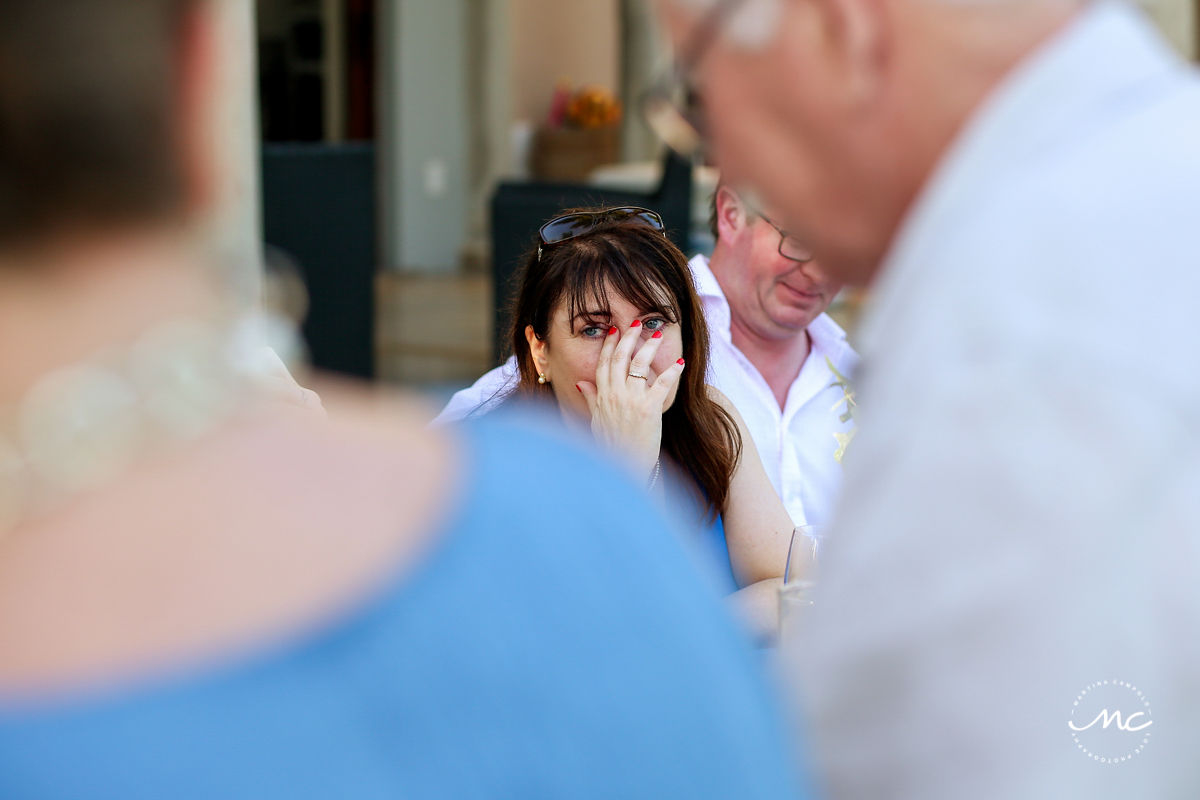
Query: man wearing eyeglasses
[[1015, 552], [772, 348]]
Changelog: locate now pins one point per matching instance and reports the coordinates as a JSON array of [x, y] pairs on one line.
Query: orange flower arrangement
[[593, 107]]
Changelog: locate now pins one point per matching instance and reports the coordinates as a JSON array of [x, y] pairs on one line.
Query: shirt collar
[[706, 283], [712, 298], [828, 338]]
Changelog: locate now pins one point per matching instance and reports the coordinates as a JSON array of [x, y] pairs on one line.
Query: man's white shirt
[[796, 443], [1021, 515]]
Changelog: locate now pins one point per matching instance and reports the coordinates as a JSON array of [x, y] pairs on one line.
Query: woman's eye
[[592, 331], [655, 324]]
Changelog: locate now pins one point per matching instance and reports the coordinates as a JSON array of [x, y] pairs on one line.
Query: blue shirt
[[555, 643], [718, 549], [706, 535]]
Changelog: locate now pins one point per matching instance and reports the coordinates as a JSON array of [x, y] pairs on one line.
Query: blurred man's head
[[836, 111], [100, 107], [774, 287]]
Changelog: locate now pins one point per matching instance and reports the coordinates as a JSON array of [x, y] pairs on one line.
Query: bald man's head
[[836, 111]]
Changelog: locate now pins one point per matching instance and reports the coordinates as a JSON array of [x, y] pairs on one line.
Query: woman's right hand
[[627, 409]]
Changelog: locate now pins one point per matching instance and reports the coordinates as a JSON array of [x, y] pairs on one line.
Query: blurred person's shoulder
[[489, 546], [280, 518], [283, 519]]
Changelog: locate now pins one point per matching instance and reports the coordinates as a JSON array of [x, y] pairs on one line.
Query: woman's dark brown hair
[[641, 265]]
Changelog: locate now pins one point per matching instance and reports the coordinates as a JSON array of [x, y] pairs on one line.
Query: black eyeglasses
[[790, 247], [581, 223], [671, 107]]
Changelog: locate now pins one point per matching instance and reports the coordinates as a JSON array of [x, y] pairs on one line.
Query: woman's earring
[[542, 379]]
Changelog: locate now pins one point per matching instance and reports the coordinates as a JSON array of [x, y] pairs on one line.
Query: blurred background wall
[[551, 41], [1178, 20], [425, 129], [381, 129]]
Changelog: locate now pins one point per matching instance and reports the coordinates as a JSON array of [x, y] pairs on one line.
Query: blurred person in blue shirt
[[204, 593]]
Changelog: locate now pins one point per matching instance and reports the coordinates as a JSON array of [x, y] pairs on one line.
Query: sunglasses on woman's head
[[581, 223]]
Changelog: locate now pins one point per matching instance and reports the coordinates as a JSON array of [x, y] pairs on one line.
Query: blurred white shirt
[[1021, 517], [796, 443]]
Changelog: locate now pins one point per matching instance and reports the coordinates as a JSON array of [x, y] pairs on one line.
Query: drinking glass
[[796, 595]]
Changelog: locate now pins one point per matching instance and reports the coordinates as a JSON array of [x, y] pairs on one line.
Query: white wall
[[444, 130], [551, 39], [423, 133]]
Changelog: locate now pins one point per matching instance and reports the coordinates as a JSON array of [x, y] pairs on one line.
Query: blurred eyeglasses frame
[[790, 247], [581, 223], [672, 121]]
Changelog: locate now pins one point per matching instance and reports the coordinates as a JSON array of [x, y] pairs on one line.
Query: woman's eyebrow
[[591, 314], [665, 310]]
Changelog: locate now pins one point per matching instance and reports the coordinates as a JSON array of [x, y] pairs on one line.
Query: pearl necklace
[[81, 426]]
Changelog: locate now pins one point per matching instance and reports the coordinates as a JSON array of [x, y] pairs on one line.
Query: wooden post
[[233, 232]]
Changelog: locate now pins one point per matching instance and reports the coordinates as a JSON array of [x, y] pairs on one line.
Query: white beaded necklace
[[83, 425]]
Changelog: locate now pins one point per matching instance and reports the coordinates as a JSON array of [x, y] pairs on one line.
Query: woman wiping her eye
[[607, 323]]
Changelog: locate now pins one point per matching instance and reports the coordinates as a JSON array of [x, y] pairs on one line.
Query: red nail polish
[[657, 335], [577, 387], [636, 323], [612, 330], [680, 361]]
